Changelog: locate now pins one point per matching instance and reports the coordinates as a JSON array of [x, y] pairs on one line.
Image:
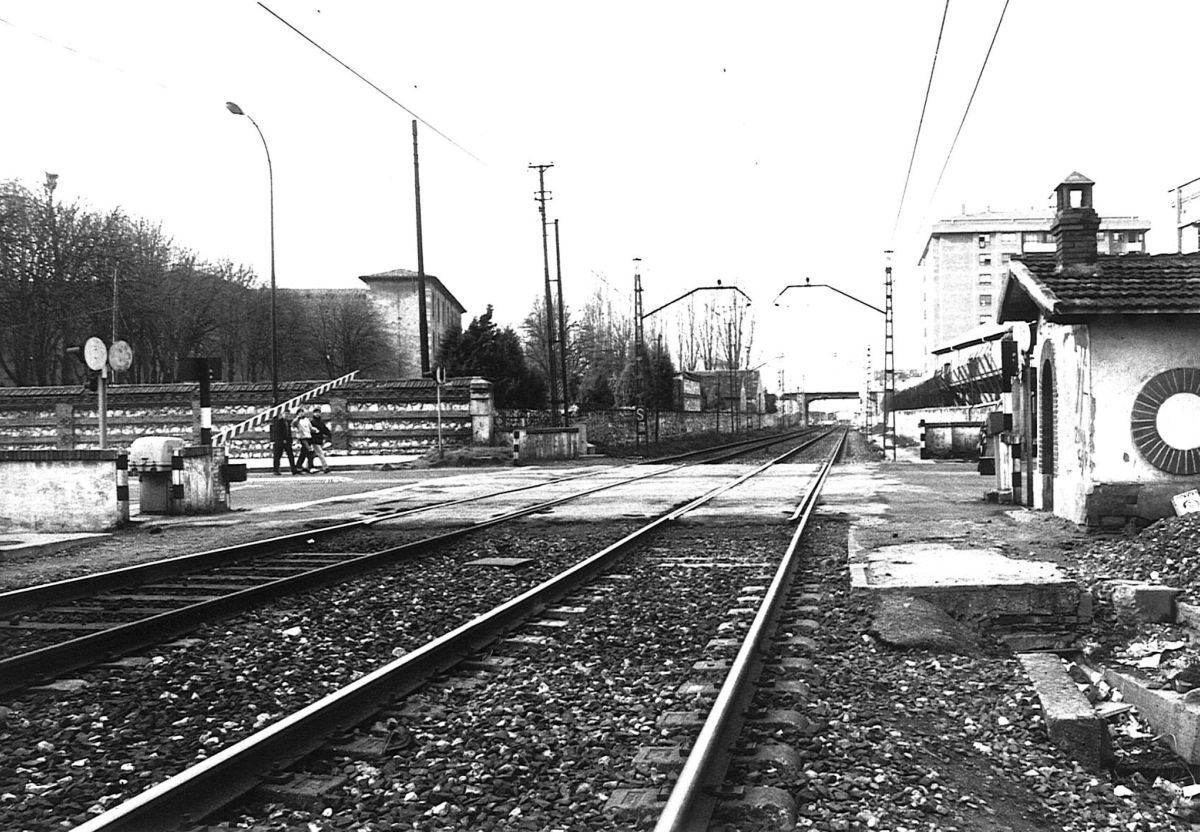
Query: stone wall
[[620, 427], [374, 416]]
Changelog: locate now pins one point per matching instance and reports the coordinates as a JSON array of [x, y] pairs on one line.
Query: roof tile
[[1122, 284]]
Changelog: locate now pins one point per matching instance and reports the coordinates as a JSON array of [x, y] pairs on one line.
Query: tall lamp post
[[238, 111], [889, 379]]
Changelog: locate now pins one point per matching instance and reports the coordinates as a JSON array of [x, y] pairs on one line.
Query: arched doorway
[[1046, 433]]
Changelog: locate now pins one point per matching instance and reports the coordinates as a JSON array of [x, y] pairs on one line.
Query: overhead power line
[[966, 111], [369, 83], [924, 105]]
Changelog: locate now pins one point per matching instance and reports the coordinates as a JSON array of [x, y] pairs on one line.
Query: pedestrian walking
[[320, 435], [281, 442], [302, 432]]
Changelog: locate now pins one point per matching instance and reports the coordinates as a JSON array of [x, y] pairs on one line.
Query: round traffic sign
[[95, 354], [120, 356]]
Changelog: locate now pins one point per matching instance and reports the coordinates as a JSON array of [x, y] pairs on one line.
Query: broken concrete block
[[1070, 718], [1168, 711], [1151, 603]]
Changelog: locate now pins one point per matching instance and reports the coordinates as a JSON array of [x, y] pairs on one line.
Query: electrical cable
[[966, 111], [373, 86], [921, 121]]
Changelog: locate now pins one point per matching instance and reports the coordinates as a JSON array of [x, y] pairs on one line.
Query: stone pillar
[[482, 411], [64, 426], [339, 422]]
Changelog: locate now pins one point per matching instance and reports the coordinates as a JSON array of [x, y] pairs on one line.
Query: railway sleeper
[[304, 790]]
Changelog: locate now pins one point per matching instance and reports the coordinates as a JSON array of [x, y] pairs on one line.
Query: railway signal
[[99, 359]]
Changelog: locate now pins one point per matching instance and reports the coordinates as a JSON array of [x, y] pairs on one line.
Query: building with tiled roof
[[1104, 419], [1157, 284], [966, 257]]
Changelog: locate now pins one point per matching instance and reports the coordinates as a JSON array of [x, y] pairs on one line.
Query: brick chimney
[[1075, 223]]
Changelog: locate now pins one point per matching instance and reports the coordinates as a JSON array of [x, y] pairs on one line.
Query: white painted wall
[[49, 491], [1070, 346], [1099, 370], [1126, 353]]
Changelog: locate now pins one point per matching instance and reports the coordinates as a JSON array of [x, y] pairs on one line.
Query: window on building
[[984, 241], [985, 319], [985, 278], [985, 301], [1133, 236], [1005, 258], [985, 259]]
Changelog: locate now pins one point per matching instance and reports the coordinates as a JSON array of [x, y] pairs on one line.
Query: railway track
[[49, 630], [563, 627]]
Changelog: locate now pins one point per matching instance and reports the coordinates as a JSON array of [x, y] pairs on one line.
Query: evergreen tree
[[483, 349]]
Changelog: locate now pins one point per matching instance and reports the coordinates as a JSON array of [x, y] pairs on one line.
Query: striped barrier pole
[[123, 487], [176, 477], [267, 415]]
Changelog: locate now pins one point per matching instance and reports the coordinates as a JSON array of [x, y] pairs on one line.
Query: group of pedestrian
[[305, 428]]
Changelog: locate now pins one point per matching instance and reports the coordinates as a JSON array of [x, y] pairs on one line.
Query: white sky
[[754, 142]]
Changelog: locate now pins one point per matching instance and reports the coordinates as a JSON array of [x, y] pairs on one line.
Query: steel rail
[[192, 794], [70, 589], [691, 802], [741, 446], [25, 669]]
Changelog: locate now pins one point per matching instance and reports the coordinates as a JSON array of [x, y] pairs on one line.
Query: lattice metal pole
[[639, 334], [889, 361]]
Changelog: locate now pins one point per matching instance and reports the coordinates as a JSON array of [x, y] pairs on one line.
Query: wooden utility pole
[[421, 311], [542, 196], [562, 332]]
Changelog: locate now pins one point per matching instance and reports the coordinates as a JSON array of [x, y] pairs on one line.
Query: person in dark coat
[[281, 442], [320, 435]]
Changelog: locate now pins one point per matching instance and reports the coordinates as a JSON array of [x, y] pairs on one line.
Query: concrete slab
[[982, 587], [926, 565], [925, 533]]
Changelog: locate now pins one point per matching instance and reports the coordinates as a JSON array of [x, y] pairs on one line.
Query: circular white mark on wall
[[1178, 421]]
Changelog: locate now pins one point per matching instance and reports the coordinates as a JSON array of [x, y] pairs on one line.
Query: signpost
[[1186, 503]]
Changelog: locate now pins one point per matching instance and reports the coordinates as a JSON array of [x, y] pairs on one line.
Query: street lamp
[[238, 111]]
